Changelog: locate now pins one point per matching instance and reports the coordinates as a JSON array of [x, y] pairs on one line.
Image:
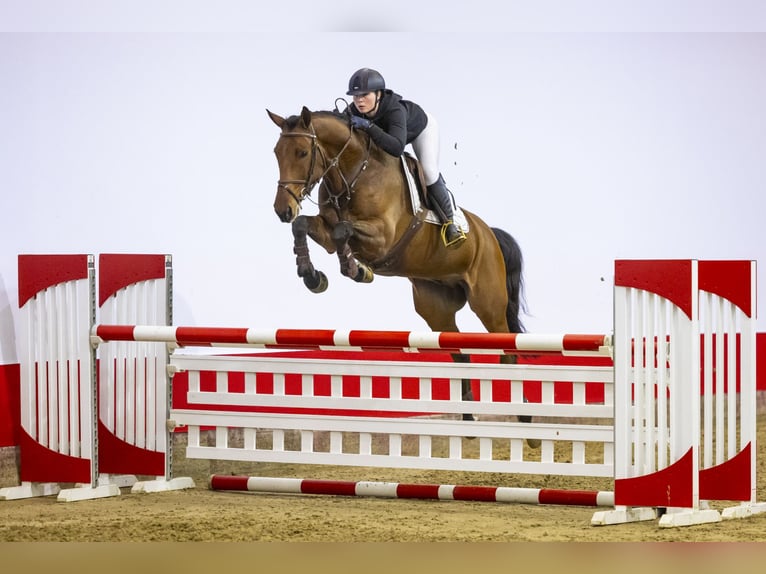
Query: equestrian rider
[[393, 122]]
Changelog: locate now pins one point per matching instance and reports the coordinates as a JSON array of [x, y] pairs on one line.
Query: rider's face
[[366, 103]]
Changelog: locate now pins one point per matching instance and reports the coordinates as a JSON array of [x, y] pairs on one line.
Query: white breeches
[[426, 148]]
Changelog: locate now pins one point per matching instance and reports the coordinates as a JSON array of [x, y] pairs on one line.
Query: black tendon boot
[[442, 202]]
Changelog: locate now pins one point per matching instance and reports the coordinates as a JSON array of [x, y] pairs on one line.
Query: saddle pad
[[431, 217]]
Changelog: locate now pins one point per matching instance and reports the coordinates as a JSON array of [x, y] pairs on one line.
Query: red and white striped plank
[[328, 339], [417, 491]]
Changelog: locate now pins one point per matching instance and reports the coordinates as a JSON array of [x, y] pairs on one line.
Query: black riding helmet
[[365, 80]]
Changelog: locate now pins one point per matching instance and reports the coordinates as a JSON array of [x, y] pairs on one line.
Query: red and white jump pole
[[416, 491], [329, 339]]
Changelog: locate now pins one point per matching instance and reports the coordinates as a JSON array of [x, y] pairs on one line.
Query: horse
[[366, 216]]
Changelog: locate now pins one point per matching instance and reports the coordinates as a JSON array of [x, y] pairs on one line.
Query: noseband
[[306, 184]]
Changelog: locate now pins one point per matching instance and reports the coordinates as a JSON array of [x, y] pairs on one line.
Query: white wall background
[[142, 128]]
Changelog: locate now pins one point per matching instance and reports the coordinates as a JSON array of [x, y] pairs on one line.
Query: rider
[[392, 123]]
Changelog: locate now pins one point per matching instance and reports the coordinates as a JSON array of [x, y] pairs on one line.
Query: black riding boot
[[442, 203]]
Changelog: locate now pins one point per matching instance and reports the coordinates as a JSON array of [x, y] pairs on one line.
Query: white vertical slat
[[365, 443], [336, 442], [748, 382], [485, 448], [455, 448], [730, 323], [708, 388], [424, 446], [307, 385], [48, 400], [336, 385], [649, 384], [307, 441], [424, 387], [662, 384], [221, 381], [720, 377], [623, 421], [365, 387], [485, 388], [394, 445]]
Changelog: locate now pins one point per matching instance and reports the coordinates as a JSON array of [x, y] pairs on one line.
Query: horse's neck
[[375, 176]]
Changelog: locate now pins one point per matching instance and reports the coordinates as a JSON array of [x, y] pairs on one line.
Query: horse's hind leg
[[532, 442], [438, 304], [315, 280], [467, 391]]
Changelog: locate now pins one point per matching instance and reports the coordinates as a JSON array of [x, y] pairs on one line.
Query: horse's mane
[[292, 121]]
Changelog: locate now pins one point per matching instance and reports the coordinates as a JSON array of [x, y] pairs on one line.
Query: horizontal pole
[[416, 491], [324, 339]]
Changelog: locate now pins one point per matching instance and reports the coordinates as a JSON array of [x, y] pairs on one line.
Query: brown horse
[[366, 217]]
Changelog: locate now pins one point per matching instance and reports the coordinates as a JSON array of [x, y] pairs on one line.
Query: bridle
[[307, 185]]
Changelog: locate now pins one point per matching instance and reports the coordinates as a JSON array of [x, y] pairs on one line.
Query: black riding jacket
[[396, 123]]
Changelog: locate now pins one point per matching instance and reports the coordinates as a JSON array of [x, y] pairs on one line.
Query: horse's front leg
[[349, 266], [315, 280]]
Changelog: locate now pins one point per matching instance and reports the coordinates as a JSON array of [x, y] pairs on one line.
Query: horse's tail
[[514, 280]]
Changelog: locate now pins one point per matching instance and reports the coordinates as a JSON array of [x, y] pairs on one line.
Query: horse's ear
[[306, 116], [279, 120]]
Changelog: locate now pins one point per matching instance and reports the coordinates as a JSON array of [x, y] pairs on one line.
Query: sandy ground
[[200, 514]]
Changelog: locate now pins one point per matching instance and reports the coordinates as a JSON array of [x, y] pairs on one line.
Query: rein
[[316, 149]]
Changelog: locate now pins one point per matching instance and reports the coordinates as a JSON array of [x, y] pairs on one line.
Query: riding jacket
[[397, 122]]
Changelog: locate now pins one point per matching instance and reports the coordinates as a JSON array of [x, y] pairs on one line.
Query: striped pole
[[417, 491], [328, 339]]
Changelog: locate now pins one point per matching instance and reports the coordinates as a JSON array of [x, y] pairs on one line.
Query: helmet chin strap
[[374, 110]]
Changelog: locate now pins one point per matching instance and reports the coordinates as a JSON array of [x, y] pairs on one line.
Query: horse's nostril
[[285, 215]]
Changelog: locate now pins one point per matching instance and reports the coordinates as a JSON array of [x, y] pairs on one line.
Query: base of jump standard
[[417, 491]]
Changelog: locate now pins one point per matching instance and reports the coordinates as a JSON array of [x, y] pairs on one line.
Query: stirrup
[[457, 240]]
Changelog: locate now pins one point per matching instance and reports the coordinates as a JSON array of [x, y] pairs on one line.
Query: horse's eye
[[303, 153]]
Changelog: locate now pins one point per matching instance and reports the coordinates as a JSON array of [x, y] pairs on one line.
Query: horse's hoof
[[364, 274], [468, 417], [316, 284], [533, 443]]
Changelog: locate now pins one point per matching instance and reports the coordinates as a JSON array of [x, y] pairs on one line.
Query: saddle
[[419, 194], [421, 213]]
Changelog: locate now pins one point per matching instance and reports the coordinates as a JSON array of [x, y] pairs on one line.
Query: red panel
[[728, 279], [668, 278], [760, 361], [671, 486], [41, 464], [116, 456], [118, 270], [38, 272], [10, 405], [729, 480]]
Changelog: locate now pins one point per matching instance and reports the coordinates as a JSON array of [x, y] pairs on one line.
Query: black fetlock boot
[[442, 203]]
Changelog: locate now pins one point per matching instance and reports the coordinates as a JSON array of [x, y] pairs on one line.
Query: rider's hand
[[360, 123]]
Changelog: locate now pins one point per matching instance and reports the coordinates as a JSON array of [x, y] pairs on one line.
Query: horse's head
[[300, 160], [296, 152], [310, 145]]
